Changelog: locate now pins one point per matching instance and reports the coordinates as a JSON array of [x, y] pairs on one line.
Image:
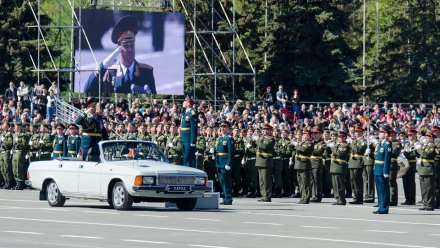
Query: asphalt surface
[[27, 222]]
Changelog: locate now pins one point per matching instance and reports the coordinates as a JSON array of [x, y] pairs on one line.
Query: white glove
[[27, 156], [41, 141], [368, 151], [30, 142], [3, 139], [211, 150], [294, 143], [243, 161], [78, 156], [193, 145], [227, 167], [16, 139], [37, 154], [386, 175], [197, 153], [290, 161], [111, 59], [418, 146], [248, 145], [170, 144], [155, 142]]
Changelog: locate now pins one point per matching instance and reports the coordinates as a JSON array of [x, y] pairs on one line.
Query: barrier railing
[[66, 112]]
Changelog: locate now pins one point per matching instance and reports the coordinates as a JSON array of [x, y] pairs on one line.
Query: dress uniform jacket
[[382, 165], [60, 146], [92, 133], [188, 135], [73, 145], [302, 158], [225, 157], [113, 80]]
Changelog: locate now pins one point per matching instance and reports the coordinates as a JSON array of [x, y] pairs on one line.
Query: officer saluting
[[264, 162], [188, 133], [224, 150], [128, 76], [91, 131], [59, 143], [382, 164], [73, 141]]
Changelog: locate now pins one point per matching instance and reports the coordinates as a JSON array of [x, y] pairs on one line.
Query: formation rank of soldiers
[[269, 163]]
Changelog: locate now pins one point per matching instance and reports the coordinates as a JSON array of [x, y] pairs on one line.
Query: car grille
[[176, 180]]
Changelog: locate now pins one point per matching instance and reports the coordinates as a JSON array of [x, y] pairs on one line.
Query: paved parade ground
[[27, 222]]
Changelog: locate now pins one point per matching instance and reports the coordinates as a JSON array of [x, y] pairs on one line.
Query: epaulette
[[144, 66]]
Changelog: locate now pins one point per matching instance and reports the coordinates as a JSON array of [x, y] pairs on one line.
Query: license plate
[[176, 188]]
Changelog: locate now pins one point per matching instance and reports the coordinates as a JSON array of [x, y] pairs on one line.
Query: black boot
[[20, 186]]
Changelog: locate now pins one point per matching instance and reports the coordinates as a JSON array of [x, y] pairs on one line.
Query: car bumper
[[163, 191]]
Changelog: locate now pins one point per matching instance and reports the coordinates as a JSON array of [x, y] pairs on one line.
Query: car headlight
[[147, 180], [200, 181], [144, 180]]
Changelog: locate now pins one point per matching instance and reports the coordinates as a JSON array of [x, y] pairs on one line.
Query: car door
[[89, 179], [66, 176]]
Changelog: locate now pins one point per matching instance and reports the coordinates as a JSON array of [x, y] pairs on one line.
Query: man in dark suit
[[128, 75]]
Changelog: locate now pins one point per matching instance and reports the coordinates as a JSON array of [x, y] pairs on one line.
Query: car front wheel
[[186, 204], [54, 196], [121, 199]]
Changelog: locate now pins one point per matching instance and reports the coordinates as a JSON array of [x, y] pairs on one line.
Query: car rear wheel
[[121, 199], [54, 196], [186, 204]]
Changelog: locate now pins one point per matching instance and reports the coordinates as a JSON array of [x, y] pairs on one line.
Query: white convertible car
[[126, 172]]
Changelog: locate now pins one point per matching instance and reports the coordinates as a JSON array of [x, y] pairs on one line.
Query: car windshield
[[132, 150]]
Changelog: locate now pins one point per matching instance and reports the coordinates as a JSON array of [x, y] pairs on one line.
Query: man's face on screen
[[127, 53]]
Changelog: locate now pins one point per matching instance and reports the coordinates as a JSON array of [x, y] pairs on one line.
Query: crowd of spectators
[[36, 104]]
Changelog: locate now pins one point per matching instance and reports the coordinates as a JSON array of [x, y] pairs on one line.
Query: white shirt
[[131, 68]]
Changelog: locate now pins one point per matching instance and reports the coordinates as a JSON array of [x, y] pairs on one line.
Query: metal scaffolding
[[208, 57]]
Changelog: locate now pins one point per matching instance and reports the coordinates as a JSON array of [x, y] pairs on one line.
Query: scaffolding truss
[[207, 40]]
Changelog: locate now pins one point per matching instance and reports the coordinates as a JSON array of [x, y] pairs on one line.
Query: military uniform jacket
[[89, 124], [410, 154], [7, 141], [427, 153], [45, 143], [113, 80], [189, 127], [250, 152], [317, 154], [265, 150], [144, 137], [60, 145], [201, 145], [224, 150], [382, 161], [284, 148], [210, 143], [176, 149], [340, 157], [358, 148], [368, 159], [437, 156], [239, 146], [162, 141], [73, 144], [396, 149], [34, 142], [303, 152], [21, 141]]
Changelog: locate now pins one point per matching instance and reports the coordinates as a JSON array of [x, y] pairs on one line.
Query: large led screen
[[130, 52]]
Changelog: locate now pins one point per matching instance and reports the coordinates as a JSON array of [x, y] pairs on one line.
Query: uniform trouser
[[189, 157], [348, 188], [427, 185], [6, 167], [211, 170], [394, 193], [251, 175], [383, 192], [277, 174], [304, 184], [409, 184], [287, 177], [18, 165], [338, 182], [437, 185], [199, 162], [236, 174], [368, 178], [326, 178], [357, 184], [316, 182], [265, 180], [225, 179]]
